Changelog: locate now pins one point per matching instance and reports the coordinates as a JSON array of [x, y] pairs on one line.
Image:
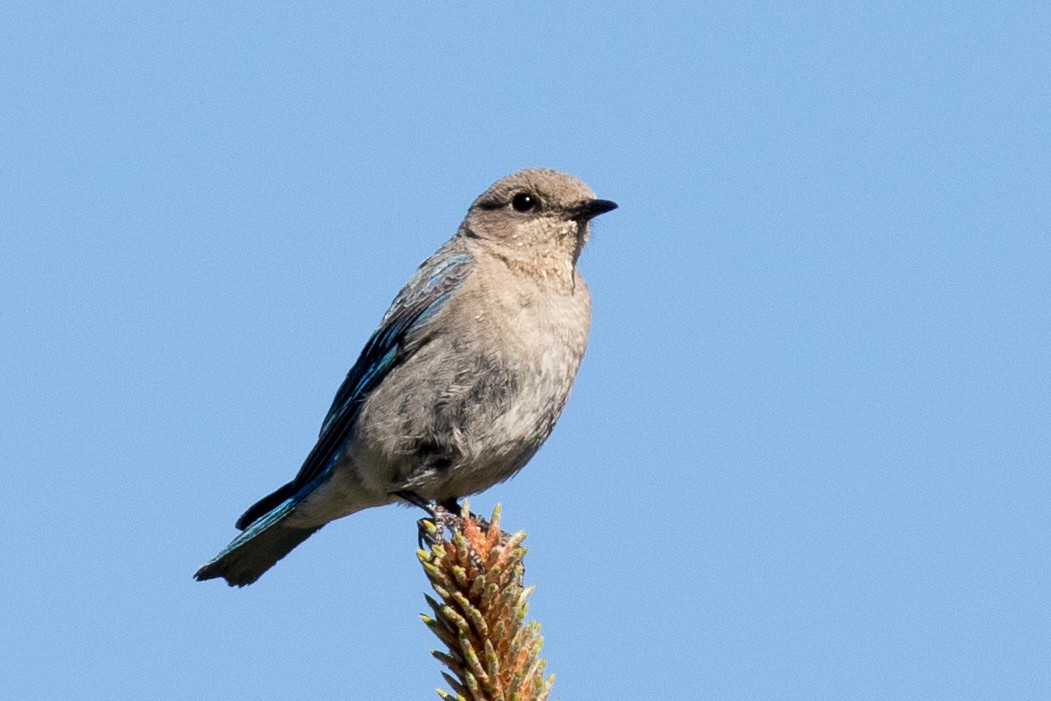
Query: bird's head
[[537, 211]]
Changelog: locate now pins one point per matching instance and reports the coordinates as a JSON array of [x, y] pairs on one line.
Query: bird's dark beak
[[589, 209]]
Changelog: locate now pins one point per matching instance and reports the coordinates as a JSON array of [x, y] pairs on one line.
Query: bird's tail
[[258, 548]]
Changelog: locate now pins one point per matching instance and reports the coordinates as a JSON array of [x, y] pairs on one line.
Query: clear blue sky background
[[807, 456]]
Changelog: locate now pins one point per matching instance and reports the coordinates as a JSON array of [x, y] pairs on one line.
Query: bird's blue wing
[[424, 295]]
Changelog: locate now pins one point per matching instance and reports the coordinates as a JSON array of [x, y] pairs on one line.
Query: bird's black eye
[[524, 202]]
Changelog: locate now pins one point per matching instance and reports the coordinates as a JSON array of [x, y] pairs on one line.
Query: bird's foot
[[448, 513], [462, 511], [430, 531], [428, 534]]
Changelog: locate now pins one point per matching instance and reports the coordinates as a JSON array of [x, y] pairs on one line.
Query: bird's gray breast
[[481, 393]]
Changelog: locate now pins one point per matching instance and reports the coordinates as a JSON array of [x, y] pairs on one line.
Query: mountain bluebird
[[460, 384]]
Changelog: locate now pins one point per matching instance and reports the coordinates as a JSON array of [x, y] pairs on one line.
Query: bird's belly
[[504, 434], [496, 450]]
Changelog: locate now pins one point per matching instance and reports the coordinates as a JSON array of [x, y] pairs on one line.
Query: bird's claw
[[443, 514]]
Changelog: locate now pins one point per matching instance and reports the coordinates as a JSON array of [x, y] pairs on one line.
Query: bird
[[460, 384]]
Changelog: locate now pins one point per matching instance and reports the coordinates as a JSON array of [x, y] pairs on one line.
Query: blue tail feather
[[259, 547]]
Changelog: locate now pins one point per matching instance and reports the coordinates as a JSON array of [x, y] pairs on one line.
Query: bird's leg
[[440, 515], [451, 506], [416, 500]]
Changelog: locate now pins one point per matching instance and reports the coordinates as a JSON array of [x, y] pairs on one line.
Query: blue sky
[[807, 455]]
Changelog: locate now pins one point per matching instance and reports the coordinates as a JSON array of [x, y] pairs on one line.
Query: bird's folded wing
[[422, 298]]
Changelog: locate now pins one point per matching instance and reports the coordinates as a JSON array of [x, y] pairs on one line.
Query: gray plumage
[[462, 381]]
